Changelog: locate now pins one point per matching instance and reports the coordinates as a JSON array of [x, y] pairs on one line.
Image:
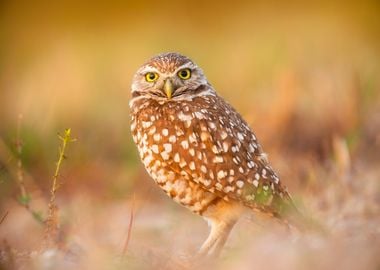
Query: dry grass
[[162, 238], [306, 79]]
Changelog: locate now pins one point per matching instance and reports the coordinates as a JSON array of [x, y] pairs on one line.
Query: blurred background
[[304, 76]]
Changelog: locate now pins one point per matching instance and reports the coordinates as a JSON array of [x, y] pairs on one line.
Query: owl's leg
[[217, 238], [222, 216]]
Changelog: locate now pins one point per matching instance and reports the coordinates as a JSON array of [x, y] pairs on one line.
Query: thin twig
[[62, 156], [52, 222], [19, 148], [131, 217], [24, 198], [4, 217]]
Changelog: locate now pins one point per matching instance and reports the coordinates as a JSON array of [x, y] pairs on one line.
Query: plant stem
[[20, 173], [52, 221]]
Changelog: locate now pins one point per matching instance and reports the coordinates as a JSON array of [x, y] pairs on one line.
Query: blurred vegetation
[[304, 75]]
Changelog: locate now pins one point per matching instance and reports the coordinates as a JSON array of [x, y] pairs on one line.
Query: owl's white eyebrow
[[152, 69], [148, 69], [187, 65]]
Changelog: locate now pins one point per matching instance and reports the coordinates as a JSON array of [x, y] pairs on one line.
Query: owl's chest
[[163, 132], [181, 141], [157, 131], [168, 154]]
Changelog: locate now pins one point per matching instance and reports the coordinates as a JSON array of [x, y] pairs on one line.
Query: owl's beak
[[168, 88]]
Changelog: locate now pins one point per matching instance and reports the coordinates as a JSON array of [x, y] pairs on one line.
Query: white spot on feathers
[[239, 183], [155, 148]]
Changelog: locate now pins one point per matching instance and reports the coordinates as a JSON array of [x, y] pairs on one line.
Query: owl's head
[[168, 76]]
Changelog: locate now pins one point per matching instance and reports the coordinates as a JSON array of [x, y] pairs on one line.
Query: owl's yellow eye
[[184, 74], [151, 76]]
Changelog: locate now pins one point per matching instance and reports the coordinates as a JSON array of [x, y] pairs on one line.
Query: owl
[[199, 150]]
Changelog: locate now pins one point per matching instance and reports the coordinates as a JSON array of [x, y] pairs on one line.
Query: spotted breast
[[188, 143]]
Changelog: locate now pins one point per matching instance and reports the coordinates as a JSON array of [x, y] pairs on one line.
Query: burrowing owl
[[198, 149]]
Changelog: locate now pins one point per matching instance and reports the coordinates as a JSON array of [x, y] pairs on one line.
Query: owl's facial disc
[[170, 84], [168, 76]]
